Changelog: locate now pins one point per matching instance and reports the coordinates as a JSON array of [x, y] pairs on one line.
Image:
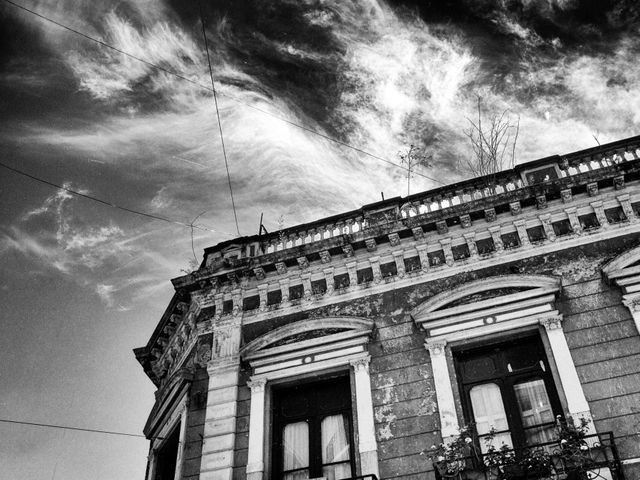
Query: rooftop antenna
[[382, 193]]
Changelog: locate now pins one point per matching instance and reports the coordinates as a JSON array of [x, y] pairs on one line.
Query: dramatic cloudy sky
[[82, 284]]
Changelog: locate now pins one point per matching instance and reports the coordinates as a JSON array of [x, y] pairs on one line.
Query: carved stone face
[[490, 214], [418, 233], [566, 195], [394, 239], [515, 208], [592, 189], [442, 227], [541, 202], [348, 250], [260, 274], [325, 256], [303, 262], [465, 221], [371, 244]]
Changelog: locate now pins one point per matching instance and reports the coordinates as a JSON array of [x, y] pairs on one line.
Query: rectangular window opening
[[485, 246], [388, 269], [313, 431], [589, 221], [510, 240], [562, 227], [341, 281], [436, 258], [365, 275], [167, 456]]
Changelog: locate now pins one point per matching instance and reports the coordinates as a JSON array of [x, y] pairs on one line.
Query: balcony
[[595, 459]]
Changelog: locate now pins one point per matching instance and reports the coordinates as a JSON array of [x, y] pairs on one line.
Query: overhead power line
[[109, 204], [65, 427], [206, 87], [215, 99]]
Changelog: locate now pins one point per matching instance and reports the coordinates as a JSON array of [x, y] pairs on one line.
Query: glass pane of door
[[335, 447], [535, 410], [295, 451], [489, 413]]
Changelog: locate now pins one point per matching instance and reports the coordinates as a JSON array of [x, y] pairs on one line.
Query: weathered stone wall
[[604, 344]]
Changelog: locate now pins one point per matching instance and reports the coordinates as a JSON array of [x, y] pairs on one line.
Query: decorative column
[[424, 258], [353, 275], [398, 257], [625, 204], [220, 416], [598, 209], [284, 290], [255, 459], [497, 239], [470, 238], [375, 268], [521, 227], [262, 293], [328, 278], [576, 401], [444, 392], [306, 285], [367, 447], [445, 243], [548, 228], [572, 214]]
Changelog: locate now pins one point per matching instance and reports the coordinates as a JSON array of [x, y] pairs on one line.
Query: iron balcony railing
[[595, 458]]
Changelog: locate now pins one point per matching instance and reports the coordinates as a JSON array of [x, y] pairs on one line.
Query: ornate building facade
[[347, 347]]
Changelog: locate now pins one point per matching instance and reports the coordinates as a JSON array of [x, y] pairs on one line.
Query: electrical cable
[[64, 427], [215, 99], [113, 205], [231, 97]]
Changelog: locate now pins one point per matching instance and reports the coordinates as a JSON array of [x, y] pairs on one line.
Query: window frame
[[506, 381], [315, 448]]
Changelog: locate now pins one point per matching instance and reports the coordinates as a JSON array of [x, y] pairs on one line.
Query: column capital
[[553, 323], [257, 385], [436, 346], [361, 364]]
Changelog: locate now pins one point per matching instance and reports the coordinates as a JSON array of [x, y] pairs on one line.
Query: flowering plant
[[450, 458], [574, 449]]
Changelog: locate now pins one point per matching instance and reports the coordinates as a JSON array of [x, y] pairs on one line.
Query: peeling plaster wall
[[599, 330]]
